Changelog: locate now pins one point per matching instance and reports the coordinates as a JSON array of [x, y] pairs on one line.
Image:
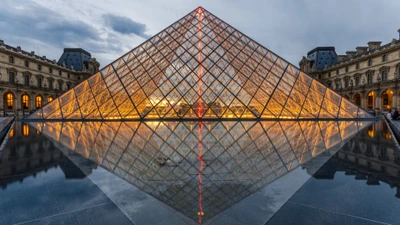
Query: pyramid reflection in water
[[200, 168], [199, 67]]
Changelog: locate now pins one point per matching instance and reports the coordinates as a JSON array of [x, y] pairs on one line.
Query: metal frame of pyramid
[[199, 68]]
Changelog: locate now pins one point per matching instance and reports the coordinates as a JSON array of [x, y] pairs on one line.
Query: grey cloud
[[30, 24], [34, 21], [125, 25]]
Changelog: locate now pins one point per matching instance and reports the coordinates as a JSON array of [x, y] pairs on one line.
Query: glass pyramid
[[198, 68], [200, 168]]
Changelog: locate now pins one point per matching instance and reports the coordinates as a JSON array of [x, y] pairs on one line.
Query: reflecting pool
[[214, 172]]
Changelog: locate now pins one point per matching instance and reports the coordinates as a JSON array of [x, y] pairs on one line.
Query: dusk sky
[[110, 28]]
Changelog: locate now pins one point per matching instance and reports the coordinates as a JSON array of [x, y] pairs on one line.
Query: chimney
[[18, 48], [2, 41], [374, 45], [361, 50], [32, 52], [44, 57], [351, 53], [341, 57]]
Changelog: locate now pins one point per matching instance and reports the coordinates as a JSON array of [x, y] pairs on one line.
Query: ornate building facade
[[368, 76], [29, 81]]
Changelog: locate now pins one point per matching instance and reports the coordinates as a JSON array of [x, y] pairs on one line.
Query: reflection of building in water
[[163, 158], [27, 153], [371, 155]]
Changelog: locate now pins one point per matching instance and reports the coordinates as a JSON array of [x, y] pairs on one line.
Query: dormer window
[[347, 69], [370, 62], [39, 67], [11, 59]]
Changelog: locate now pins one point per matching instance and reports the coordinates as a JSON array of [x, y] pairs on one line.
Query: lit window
[[25, 101], [39, 101], [25, 130], [9, 100], [11, 135], [50, 98]]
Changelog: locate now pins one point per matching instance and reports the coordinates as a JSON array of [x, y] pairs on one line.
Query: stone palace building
[[368, 76], [29, 81]]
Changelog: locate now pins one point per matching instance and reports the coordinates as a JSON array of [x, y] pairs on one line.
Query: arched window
[[11, 59], [25, 101], [39, 101], [9, 100], [50, 98]]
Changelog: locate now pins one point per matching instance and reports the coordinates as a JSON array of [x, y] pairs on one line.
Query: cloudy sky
[[109, 28]]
